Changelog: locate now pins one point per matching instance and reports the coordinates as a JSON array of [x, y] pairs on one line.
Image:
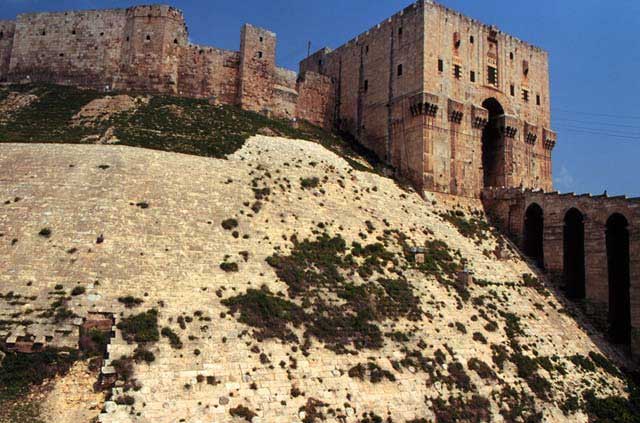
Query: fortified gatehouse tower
[[452, 104]]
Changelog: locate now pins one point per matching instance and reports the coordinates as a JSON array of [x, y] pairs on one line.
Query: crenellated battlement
[[147, 48]]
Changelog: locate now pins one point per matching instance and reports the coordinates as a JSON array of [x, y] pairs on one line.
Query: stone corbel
[[479, 117], [550, 138], [424, 104], [530, 133], [456, 111], [509, 126]]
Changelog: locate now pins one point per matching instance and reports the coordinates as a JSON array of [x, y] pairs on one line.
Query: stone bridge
[[589, 245]]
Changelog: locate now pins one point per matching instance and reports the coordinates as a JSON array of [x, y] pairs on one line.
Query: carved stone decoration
[[530, 133], [549, 139], [479, 117], [531, 138], [456, 117], [424, 104], [456, 111], [510, 126], [509, 131]]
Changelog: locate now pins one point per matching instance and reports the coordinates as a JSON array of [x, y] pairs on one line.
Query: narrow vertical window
[[457, 71], [259, 55], [399, 70], [366, 85], [472, 76], [538, 101], [440, 65], [513, 90], [492, 76]]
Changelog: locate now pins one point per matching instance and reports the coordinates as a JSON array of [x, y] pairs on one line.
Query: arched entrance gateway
[[619, 279], [493, 158], [574, 272], [533, 234]]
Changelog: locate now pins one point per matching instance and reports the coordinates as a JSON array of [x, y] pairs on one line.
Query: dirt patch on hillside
[[102, 109], [13, 103], [72, 397]]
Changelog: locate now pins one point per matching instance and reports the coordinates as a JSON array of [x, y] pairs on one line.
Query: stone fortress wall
[[453, 104], [146, 48]]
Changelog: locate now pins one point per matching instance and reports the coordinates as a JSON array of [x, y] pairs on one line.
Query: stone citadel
[[453, 105]]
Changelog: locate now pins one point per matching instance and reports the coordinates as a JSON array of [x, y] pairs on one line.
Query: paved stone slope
[[489, 348]]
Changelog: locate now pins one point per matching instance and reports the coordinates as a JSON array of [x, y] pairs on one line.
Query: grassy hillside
[[165, 123]]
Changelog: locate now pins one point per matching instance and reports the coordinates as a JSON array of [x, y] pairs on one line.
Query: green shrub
[[229, 267], [230, 224], [604, 363], [267, 313], [141, 354], [499, 355], [308, 183], [142, 327], [472, 228], [372, 371], [478, 337], [458, 377], [583, 362], [19, 371], [242, 412], [78, 290], [130, 301], [125, 400], [458, 409], [174, 339], [482, 369]]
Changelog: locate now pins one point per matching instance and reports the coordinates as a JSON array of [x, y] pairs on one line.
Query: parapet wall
[[146, 48], [206, 72], [73, 47]]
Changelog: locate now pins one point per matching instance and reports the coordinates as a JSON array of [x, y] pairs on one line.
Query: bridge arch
[[534, 233], [574, 254], [617, 239]]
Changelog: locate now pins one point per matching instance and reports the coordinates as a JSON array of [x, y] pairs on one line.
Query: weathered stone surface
[[169, 253]]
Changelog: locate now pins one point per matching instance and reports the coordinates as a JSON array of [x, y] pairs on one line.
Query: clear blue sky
[[594, 59]]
